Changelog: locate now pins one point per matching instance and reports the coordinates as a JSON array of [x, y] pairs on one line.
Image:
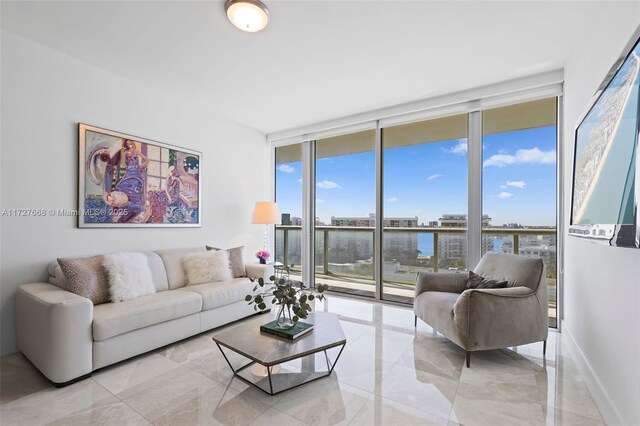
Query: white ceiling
[[317, 60]]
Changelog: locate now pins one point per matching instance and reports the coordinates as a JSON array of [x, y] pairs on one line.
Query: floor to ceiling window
[[425, 202], [345, 212], [422, 171], [519, 185], [288, 195]]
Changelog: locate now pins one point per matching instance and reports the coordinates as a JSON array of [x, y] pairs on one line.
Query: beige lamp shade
[[266, 213]]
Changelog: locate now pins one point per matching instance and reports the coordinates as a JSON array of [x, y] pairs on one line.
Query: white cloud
[[300, 180], [392, 200], [319, 201], [517, 184], [328, 184], [286, 168], [503, 186], [432, 177], [504, 195], [460, 149], [523, 156]]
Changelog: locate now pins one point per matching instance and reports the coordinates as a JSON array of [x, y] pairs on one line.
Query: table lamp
[[266, 213]]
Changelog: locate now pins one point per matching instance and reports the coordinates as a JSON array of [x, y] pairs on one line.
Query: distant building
[[452, 248], [460, 221], [352, 246], [512, 225], [543, 246], [370, 221], [285, 219]]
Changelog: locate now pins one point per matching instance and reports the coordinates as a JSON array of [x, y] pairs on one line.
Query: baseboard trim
[[605, 404]]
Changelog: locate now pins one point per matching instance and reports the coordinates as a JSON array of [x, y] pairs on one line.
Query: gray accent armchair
[[483, 319]]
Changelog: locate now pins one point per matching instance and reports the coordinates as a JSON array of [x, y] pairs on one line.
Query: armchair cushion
[[449, 282], [436, 308], [517, 270]]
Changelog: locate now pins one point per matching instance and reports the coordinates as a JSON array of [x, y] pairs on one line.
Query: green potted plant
[[291, 298]]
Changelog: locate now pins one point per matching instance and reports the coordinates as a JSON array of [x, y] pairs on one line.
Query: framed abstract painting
[[127, 181], [606, 168]]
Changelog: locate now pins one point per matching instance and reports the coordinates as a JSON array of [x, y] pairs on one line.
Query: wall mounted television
[[606, 162]]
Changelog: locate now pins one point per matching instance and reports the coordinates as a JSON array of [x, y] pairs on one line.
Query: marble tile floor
[[389, 374]]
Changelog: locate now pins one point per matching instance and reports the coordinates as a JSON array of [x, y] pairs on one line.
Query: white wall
[[602, 284], [44, 95]]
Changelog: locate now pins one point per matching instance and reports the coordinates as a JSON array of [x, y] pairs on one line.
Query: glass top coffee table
[[276, 364]]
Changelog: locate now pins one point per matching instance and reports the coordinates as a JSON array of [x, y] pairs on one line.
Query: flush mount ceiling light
[[248, 15]]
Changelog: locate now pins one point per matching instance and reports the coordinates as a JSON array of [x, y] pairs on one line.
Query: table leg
[[336, 360], [270, 383]]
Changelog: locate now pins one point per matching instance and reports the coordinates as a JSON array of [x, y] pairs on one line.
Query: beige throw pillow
[[236, 260], [86, 277], [207, 267]]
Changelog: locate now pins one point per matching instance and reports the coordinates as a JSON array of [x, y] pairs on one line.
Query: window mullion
[[474, 214], [377, 239]]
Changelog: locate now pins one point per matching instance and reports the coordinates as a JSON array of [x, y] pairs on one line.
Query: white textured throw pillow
[[207, 267], [129, 276]]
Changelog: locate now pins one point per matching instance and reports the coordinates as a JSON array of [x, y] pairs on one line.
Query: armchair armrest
[[499, 317], [258, 270], [54, 331], [449, 282]]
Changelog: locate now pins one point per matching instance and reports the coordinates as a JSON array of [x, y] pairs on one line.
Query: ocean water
[[425, 244]]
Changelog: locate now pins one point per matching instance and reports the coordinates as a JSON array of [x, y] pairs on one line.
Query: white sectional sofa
[[66, 337]]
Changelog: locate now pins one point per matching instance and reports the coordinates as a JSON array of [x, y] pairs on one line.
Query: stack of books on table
[[300, 329]]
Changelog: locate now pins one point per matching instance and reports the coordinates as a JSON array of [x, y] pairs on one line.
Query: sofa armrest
[[449, 282], [258, 270], [54, 331], [499, 317]]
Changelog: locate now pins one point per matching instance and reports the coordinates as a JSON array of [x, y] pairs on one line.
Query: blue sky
[[519, 180]]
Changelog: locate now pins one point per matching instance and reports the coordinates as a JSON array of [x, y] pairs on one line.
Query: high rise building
[[452, 248], [351, 246]]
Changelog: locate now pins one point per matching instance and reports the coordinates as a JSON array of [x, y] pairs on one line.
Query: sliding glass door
[[288, 195], [519, 185], [425, 202], [345, 212], [415, 176]]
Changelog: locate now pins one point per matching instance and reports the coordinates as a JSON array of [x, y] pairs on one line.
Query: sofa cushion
[[221, 293], [158, 273], [172, 259], [236, 260], [129, 276], [207, 267], [56, 276], [113, 319], [86, 277]]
